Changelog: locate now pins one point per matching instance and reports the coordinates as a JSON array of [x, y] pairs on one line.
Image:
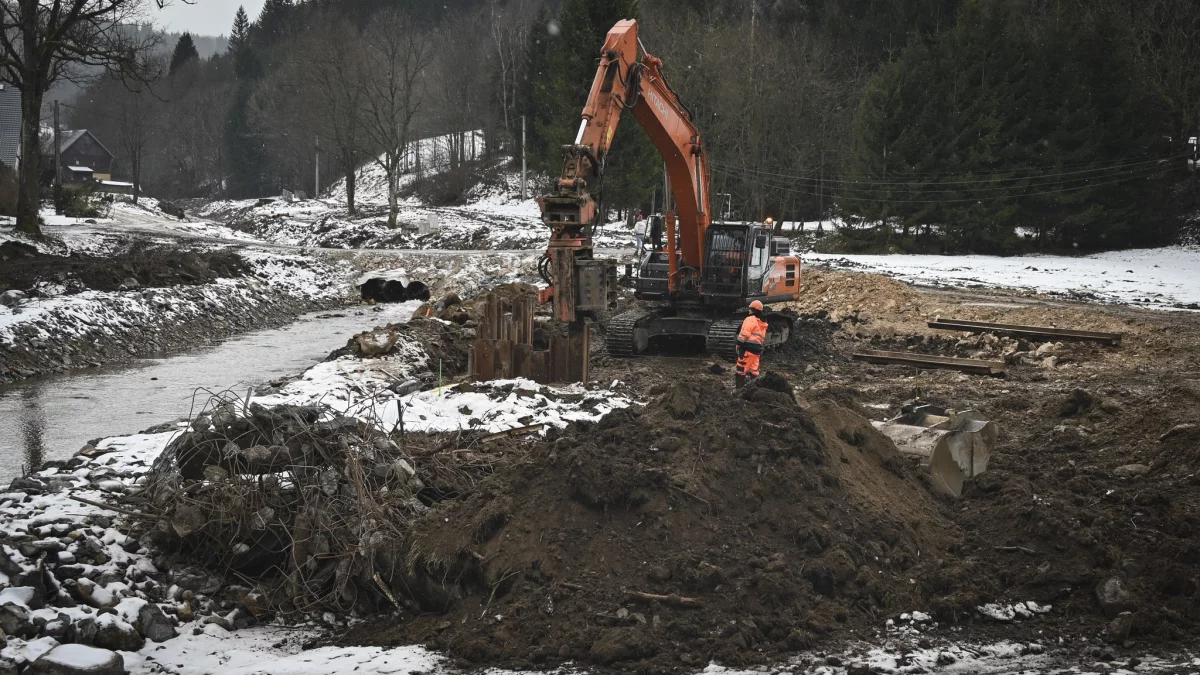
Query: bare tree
[[396, 55], [136, 115], [44, 41], [331, 61], [508, 28]]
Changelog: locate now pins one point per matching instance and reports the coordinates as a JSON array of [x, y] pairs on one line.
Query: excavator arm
[[623, 81]]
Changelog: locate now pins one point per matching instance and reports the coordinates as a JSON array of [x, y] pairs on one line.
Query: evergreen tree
[[239, 36], [1007, 122], [185, 52], [245, 155], [272, 20], [245, 63]]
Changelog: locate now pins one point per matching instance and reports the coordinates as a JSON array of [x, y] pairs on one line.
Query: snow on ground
[[492, 217], [1156, 277], [54, 313], [124, 572]]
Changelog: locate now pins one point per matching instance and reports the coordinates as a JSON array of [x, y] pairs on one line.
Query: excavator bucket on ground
[[952, 446]]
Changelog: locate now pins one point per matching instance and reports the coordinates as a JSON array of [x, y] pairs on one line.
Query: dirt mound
[[853, 296], [150, 267], [447, 344], [753, 529]]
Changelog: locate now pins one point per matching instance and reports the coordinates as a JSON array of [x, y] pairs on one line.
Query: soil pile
[[708, 525], [1090, 488], [448, 344], [855, 297], [150, 267]]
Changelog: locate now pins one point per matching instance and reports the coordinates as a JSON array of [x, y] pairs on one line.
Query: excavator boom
[[624, 81]]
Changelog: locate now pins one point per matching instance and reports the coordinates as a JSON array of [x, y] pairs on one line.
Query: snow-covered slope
[[492, 217]]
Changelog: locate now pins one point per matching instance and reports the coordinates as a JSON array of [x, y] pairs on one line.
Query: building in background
[[83, 157]]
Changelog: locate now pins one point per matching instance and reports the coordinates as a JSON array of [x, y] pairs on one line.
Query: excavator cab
[[737, 258]]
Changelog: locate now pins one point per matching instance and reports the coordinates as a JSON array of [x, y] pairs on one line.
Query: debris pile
[[707, 525], [299, 498]]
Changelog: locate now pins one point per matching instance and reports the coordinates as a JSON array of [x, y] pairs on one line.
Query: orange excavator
[[705, 274]]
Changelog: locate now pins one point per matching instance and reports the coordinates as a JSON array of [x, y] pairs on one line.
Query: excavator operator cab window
[[759, 255]]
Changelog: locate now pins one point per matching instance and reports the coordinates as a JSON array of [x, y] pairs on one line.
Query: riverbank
[[60, 321]]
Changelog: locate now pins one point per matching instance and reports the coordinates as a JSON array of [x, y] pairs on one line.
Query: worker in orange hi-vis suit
[[750, 343]]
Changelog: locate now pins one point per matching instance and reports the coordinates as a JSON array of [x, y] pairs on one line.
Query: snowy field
[[1157, 277]]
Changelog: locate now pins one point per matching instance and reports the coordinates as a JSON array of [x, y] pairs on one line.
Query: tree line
[[911, 124]]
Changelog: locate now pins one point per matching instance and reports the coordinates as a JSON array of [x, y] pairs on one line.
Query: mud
[[764, 526], [793, 524]]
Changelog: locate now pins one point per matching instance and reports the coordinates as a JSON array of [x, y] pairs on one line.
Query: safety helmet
[[756, 306]]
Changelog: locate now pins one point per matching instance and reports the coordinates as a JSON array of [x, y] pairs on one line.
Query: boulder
[[1119, 627], [155, 625], [11, 298], [1130, 470], [14, 620], [197, 580], [78, 660], [1114, 597], [114, 634]]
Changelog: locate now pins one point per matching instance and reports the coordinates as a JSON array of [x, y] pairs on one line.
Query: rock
[[716, 369], [1078, 401], [1049, 362], [8, 668], [1177, 430], [11, 298], [153, 624], [681, 401], [858, 669], [1119, 627], [1111, 406], [112, 633], [78, 660], [14, 620], [1130, 470], [622, 644], [128, 284], [1114, 598], [220, 621], [83, 631], [197, 580], [1046, 349]]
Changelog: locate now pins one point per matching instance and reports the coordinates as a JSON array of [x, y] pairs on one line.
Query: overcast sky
[[203, 17]]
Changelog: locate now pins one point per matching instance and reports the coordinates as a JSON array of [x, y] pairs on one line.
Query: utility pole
[[317, 170], [524, 194], [57, 164]]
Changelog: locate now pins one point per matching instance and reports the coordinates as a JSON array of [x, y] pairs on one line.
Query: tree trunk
[[137, 177], [350, 176], [393, 167], [29, 192]]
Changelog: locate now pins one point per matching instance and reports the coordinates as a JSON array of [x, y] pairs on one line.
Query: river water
[[53, 417]]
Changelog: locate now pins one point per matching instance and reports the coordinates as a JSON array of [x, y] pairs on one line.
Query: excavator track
[[722, 336], [619, 338]]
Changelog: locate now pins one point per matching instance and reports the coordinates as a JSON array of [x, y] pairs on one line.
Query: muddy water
[[53, 417]]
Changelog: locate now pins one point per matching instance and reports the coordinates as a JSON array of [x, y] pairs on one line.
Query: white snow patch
[[1157, 277]]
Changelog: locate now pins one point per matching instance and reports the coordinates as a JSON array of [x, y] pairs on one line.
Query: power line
[[1113, 166], [976, 199], [1057, 182]]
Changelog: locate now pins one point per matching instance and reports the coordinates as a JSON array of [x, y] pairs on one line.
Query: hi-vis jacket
[[753, 334]]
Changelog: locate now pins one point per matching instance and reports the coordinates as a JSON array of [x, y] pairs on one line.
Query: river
[[53, 417]]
